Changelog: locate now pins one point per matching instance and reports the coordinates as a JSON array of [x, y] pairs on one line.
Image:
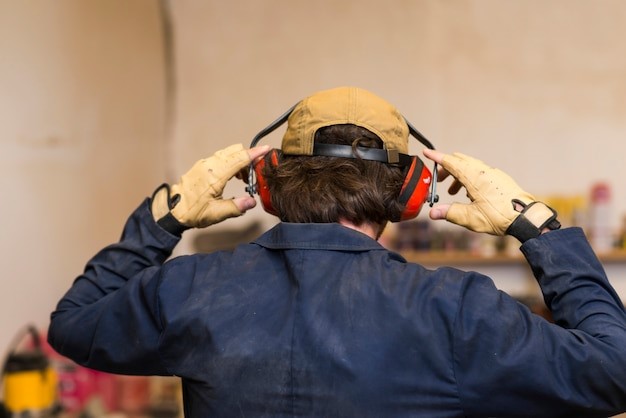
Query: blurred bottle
[[600, 212], [133, 394]]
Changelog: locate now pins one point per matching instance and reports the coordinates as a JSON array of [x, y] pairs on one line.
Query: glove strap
[[167, 221], [533, 218]]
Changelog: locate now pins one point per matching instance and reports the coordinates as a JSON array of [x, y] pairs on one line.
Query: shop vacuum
[[29, 381]]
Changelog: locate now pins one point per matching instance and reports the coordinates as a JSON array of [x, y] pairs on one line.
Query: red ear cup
[[272, 158], [415, 189]]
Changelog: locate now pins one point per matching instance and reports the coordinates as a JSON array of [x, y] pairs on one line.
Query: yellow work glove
[[498, 205], [196, 200]]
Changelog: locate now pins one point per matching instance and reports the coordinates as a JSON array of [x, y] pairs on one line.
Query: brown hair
[[322, 189]]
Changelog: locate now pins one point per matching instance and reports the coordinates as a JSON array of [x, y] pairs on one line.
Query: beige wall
[[534, 86], [81, 139]]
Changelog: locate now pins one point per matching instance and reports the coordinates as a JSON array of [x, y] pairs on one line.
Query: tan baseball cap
[[344, 105]]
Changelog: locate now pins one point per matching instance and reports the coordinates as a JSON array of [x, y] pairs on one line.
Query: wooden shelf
[[464, 258], [613, 256], [458, 258]]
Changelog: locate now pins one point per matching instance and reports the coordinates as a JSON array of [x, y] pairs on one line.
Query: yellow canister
[[30, 384]]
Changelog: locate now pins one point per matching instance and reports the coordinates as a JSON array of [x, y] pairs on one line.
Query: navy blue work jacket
[[319, 320]]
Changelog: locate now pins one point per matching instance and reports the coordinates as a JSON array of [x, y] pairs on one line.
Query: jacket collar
[[331, 236]]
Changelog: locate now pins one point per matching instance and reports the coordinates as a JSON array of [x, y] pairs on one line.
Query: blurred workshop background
[[103, 100]]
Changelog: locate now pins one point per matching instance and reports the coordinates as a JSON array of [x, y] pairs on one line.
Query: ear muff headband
[[416, 184], [252, 186], [272, 126]]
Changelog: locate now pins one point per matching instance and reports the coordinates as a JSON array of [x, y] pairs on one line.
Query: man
[[315, 318]]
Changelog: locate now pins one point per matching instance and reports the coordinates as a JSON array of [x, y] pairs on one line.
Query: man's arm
[[109, 319], [510, 362], [507, 360]]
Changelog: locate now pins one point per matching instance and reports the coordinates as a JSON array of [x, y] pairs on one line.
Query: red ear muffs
[[414, 192], [272, 158], [415, 189]]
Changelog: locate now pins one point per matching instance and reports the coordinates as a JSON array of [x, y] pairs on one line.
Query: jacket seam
[[293, 338], [453, 345]]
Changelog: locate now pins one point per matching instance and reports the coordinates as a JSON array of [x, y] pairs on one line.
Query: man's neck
[[371, 230]]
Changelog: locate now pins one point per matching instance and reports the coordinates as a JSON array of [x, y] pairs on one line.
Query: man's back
[[362, 333], [357, 334]]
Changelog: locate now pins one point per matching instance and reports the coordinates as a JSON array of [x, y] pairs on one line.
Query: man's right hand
[[498, 206]]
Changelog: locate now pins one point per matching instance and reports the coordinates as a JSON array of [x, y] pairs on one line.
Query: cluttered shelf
[[467, 258], [433, 244]]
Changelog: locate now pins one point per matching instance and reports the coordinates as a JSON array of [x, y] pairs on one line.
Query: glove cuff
[[161, 206], [533, 218], [171, 225]]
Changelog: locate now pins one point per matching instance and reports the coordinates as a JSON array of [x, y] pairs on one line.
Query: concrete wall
[[82, 101], [535, 87]]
